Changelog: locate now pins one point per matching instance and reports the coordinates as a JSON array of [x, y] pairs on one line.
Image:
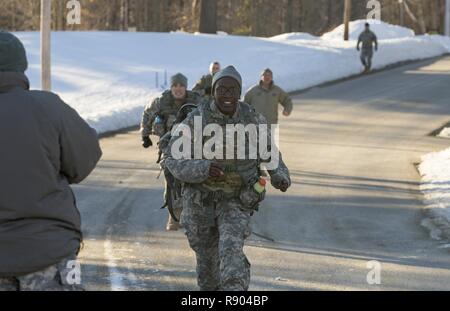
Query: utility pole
[[447, 18], [46, 9], [347, 15], [402, 12]]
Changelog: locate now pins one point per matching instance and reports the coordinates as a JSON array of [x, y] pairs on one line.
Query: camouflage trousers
[[219, 245], [53, 278], [366, 58]]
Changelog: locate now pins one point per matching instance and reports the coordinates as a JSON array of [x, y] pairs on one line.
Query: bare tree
[[402, 12], [124, 14], [111, 17], [208, 16], [158, 14], [256, 12], [421, 16], [434, 15], [59, 12], [288, 16]]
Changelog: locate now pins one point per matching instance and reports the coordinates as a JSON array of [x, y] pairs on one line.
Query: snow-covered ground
[[108, 77], [445, 133], [435, 171]]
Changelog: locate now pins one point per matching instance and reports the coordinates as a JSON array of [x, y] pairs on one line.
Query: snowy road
[[351, 148]]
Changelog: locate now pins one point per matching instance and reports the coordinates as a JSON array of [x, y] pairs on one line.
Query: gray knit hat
[[179, 78], [12, 53], [267, 70], [229, 71]]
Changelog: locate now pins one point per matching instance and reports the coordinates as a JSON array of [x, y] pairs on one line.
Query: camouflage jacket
[[194, 171], [368, 39], [204, 86], [166, 108]]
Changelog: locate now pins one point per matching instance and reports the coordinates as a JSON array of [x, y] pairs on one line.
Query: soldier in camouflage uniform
[[218, 195], [266, 96], [160, 115], [204, 85], [368, 39]]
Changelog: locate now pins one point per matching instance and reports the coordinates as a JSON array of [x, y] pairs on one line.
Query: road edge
[[374, 71]]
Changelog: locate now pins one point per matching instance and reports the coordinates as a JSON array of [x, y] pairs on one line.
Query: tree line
[[262, 18]]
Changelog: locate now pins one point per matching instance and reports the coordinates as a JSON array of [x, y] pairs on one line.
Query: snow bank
[[294, 36], [444, 41], [381, 29], [108, 77], [435, 171], [445, 133]]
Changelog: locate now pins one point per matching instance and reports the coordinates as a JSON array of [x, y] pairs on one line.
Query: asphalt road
[[351, 148]]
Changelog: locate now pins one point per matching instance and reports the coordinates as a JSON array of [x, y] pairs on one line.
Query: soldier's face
[[267, 78], [178, 91], [226, 93], [215, 68]]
